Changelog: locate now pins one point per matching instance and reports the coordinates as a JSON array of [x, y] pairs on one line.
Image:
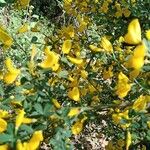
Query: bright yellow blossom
[[106, 44], [24, 28], [35, 140], [3, 125], [140, 104], [73, 112], [4, 147], [84, 74], [77, 61], [4, 114], [78, 126], [50, 61], [133, 35], [56, 103], [19, 118], [5, 38], [95, 48], [12, 73], [28, 120], [136, 61], [66, 47], [128, 140], [74, 94], [121, 115], [21, 146], [148, 124], [148, 34], [123, 87]]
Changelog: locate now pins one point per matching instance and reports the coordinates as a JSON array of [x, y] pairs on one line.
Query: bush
[[92, 66]]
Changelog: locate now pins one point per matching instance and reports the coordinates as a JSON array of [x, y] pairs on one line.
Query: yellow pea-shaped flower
[[12, 73], [73, 112], [50, 61], [95, 48], [3, 125], [133, 35], [78, 126], [106, 44], [74, 94], [5, 38], [24, 28], [128, 140], [148, 34], [19, 118], [56, 103], [66, 47], [4, 147], [35, 140], [77, 61]]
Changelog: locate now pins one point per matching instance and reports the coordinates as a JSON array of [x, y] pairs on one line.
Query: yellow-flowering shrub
[[93, 66]]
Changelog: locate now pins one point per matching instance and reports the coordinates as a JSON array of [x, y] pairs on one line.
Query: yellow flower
[[51, 60], [73, 112], [78, 126], [3, 125], [12, 73], [23, 3], [77, 61], [95, 48], [134, 74], [91, 88], [28, 120], [4, 114], [106, 45], [123, 87], [104, 7], [56, 103], [74, 94], [24, 28], [128, 140], [107, 74], [84, 74], [136, 61], [140, 104], [21, 146], [67, 32], [148, 124], [5, 38], [19, 118], [82, 26], [35, 140], [148, 34], [118, 116], [139, 51], [126, 12], [133, 35], [66, 47], [4, 147]]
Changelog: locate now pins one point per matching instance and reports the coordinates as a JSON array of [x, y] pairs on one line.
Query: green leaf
[[38, 108], [1, 91], [5, 138], [26, 128], [47, 109], [63, 74], [2, 1]]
